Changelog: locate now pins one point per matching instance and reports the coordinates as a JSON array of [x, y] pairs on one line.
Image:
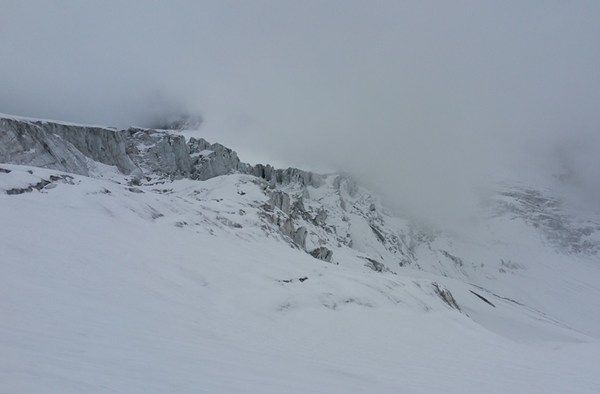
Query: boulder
[[322, 253]]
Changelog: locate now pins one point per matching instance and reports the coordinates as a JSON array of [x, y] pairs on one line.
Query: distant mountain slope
[[139, 261]]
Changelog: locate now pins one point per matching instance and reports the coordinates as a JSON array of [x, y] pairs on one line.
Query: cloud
[[422, 100]]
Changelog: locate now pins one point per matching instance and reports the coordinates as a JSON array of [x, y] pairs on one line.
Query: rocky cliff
[[147, 156], [136, 151], [324, 215], [61, 146]]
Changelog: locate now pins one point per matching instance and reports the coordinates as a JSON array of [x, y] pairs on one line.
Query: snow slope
[[188, 286]]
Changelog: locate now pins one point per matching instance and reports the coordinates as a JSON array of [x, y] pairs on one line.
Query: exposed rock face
[[281, 200], [70, 148], [545, 213], [211, 160], [287, 176], [159, 152], [43, 183], [62, 147], [286, 226], [300, 237], [341, 214], [99, 144], [321, 217], [148, 153], [445, 295], [170, 155], [375, 265], [322, 253]]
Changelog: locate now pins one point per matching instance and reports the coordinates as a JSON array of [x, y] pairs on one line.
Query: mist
[[427, 102]]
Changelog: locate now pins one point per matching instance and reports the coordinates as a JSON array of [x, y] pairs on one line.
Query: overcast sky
[[421, 98]]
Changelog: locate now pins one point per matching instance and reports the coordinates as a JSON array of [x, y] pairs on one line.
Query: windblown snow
[[140, 261]]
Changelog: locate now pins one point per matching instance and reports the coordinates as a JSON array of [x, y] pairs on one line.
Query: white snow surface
[[178, 287]]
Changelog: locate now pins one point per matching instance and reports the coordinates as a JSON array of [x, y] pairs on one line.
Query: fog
[[424, 101]]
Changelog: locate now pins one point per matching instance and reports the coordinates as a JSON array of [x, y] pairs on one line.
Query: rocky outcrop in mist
[[312, 212], [62, 147], [137, 151], [149, 154]]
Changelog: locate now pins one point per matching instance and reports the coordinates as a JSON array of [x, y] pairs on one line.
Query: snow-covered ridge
[[125, 248], [142, 226], [143, 152], [192, 284], [321, 214]]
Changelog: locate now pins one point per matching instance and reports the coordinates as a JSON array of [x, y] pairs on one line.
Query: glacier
[[144, 260]]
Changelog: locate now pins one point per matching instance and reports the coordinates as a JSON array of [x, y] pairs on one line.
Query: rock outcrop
[[322, 253], [159, 152], [211, 160], [281, 200], [61, 146], [147, 154], [299, 237], [445, 295], [135, 151], [286, 176], [338, 215]]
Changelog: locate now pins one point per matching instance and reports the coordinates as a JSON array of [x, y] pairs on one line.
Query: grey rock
[[262, 171], [300, 237], [61, 146], [211, 160], [377, 232], [287, 176], [298, 205], [445, 295], [134, 151], [159, 152], [456, 260], [376, 265], [565, 233], [170, 155], [281, 200], [321, 217], [322, 253], [286, 226]]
